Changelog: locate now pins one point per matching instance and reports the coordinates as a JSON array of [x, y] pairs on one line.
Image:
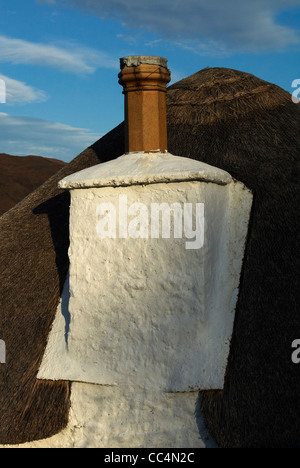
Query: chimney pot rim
[[136, 60]]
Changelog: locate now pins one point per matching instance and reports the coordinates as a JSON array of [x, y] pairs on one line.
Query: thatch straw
[[34, 239], [225, 118], [252, 130]]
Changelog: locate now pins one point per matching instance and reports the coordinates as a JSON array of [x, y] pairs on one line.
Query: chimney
[[147, 313], [144, 79]]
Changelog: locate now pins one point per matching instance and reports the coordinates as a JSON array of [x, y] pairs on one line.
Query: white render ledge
[[145, 168]]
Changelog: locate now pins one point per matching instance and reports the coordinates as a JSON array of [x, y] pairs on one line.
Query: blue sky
[[59, 59]]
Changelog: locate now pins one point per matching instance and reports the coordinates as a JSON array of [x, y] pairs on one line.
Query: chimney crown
[[136, 60]]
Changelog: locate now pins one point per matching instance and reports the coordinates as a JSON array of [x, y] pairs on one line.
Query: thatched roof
[[251, 129], [34, 240], [225, 118]]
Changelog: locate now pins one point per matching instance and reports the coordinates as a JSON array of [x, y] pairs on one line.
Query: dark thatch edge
[[34, 240], [228, 119]]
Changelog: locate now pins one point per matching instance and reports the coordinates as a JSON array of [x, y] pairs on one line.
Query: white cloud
[[27, 135], [231, 24], [67, 56], [18, 92]]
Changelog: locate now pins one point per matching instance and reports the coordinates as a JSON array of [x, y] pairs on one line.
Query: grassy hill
[[20, 175]]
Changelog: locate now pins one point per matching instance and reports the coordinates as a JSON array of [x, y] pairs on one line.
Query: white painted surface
[[148, 310], [145, 168], [112, 417], [147, 316]]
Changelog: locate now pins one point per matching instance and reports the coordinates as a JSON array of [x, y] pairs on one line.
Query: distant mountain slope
[[20, 175]]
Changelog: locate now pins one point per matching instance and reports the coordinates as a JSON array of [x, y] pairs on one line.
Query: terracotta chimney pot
[[144, 80]]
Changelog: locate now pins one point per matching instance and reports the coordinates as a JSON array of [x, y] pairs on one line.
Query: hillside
[[19, 176]]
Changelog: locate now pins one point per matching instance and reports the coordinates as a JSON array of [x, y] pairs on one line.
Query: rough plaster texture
[[113, 417], [149, 310], [145, 168], [148, 322]]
